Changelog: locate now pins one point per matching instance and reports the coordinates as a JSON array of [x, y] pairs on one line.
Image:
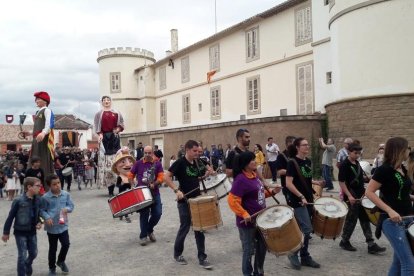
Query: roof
[[242, 25], [8, 133], [68, 121]]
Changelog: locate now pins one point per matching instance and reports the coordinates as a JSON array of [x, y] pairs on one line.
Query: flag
[[51, 139], [9, 119], [209, 75]]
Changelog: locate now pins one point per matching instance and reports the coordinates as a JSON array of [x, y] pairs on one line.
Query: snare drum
[[279, 229], [205, 212], [218, 185], [410, 235], [329, 217], [130, 201], [67, 171], [369, 209]]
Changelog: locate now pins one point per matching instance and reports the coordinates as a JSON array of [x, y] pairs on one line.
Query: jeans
[[27, 252], [327, 176], [252, 243], [273, 166], [303, 217], [53, 242], [185, 224], [148, 223], [356, 212], [403, 261]]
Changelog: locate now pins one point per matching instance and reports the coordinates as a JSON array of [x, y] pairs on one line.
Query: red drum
[[130, 201]]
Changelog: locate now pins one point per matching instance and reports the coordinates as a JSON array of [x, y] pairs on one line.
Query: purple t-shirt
[[251, 191], [145, 171]]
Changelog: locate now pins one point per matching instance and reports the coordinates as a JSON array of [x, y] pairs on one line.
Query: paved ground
[[101, 245]]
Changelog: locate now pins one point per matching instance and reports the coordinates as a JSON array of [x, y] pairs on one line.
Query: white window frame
[[303, 24], [215, 103], [252, 44], [305, 88], [186, 102], [163, 113], [214, 57], [115, 82], [185, 69], [253, 95], [162, 77]]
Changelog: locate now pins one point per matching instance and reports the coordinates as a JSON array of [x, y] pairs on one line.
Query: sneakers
[[309, 262], [180, 260], [294, 261], [127, 219], [205, 264], [152, 237], [63, 266], [143, 241], [375, 249], [347, 246], [52, 272]]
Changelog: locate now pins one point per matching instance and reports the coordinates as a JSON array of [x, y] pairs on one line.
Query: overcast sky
[[52, 45]]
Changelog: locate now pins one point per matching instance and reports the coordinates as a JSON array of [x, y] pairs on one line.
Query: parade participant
[[299, 183], [351, 180], [149, 173], [121, 166], [247, 196], [64, 160], [25, 213], [187, 173], [281, 164], [55, 206], [272, 151], [243, 142], [108, 124], [36, 171], [43, 138], [395, 185], [379, 158]]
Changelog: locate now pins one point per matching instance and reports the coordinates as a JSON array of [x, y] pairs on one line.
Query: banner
[[9, 119]]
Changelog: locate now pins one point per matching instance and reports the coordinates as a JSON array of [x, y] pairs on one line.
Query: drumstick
[[268, 190], [257, 213], [193, 190]]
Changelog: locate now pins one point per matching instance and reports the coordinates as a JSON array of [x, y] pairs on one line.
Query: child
[[11, 176], [56, 204], [89, 172], [25, 213], [36, 171], [79, 171]]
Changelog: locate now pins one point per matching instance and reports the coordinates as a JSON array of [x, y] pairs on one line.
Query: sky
[[52, 45]]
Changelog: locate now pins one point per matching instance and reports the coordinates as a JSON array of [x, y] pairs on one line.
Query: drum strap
[[202, 181], [301, 178]]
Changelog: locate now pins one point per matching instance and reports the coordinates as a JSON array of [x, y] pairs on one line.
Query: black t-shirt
[[395, 189], [187, 175], [231, 156], [281, 164], [36, 173], [305, 167], [352, 175], [202, 166], [65, 157]]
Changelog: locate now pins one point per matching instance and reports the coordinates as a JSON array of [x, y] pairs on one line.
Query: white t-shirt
[[272, 152]]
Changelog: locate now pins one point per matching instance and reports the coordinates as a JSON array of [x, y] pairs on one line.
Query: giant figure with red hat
[[108, 124], [43, 137]]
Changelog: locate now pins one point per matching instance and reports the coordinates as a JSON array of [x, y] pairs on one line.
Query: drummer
[[351, 180], [247, 197], [394, 183], [186, 171], [149, 173], [299, 184]]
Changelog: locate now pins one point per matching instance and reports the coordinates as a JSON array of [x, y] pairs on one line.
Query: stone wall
[[224, 133], [372, 120]]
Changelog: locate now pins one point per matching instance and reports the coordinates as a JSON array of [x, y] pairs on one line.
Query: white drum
[[67, 171], [366, 167], [218, 185]]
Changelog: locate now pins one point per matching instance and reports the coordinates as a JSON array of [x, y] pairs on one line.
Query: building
[[305, 68]]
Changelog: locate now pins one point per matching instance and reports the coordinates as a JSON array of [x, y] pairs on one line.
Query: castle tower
[[118, 79]]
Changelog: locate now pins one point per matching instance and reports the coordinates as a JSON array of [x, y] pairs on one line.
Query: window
[[252, 44], [303, 25], [162, 77], [215, 112], [163, 113], [115, 82], [185, 69], [253, 95], [326, 2], [200, 107], [328, 77], [186, 109], [215, 57], [304, 82]]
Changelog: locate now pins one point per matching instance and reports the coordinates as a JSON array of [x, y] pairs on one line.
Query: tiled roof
[[67, 121]]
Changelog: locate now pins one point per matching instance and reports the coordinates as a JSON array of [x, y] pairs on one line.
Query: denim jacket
[[25, 213], [50, 208]]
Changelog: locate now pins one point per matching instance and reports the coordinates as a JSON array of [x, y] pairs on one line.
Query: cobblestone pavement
[[101, 245]]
